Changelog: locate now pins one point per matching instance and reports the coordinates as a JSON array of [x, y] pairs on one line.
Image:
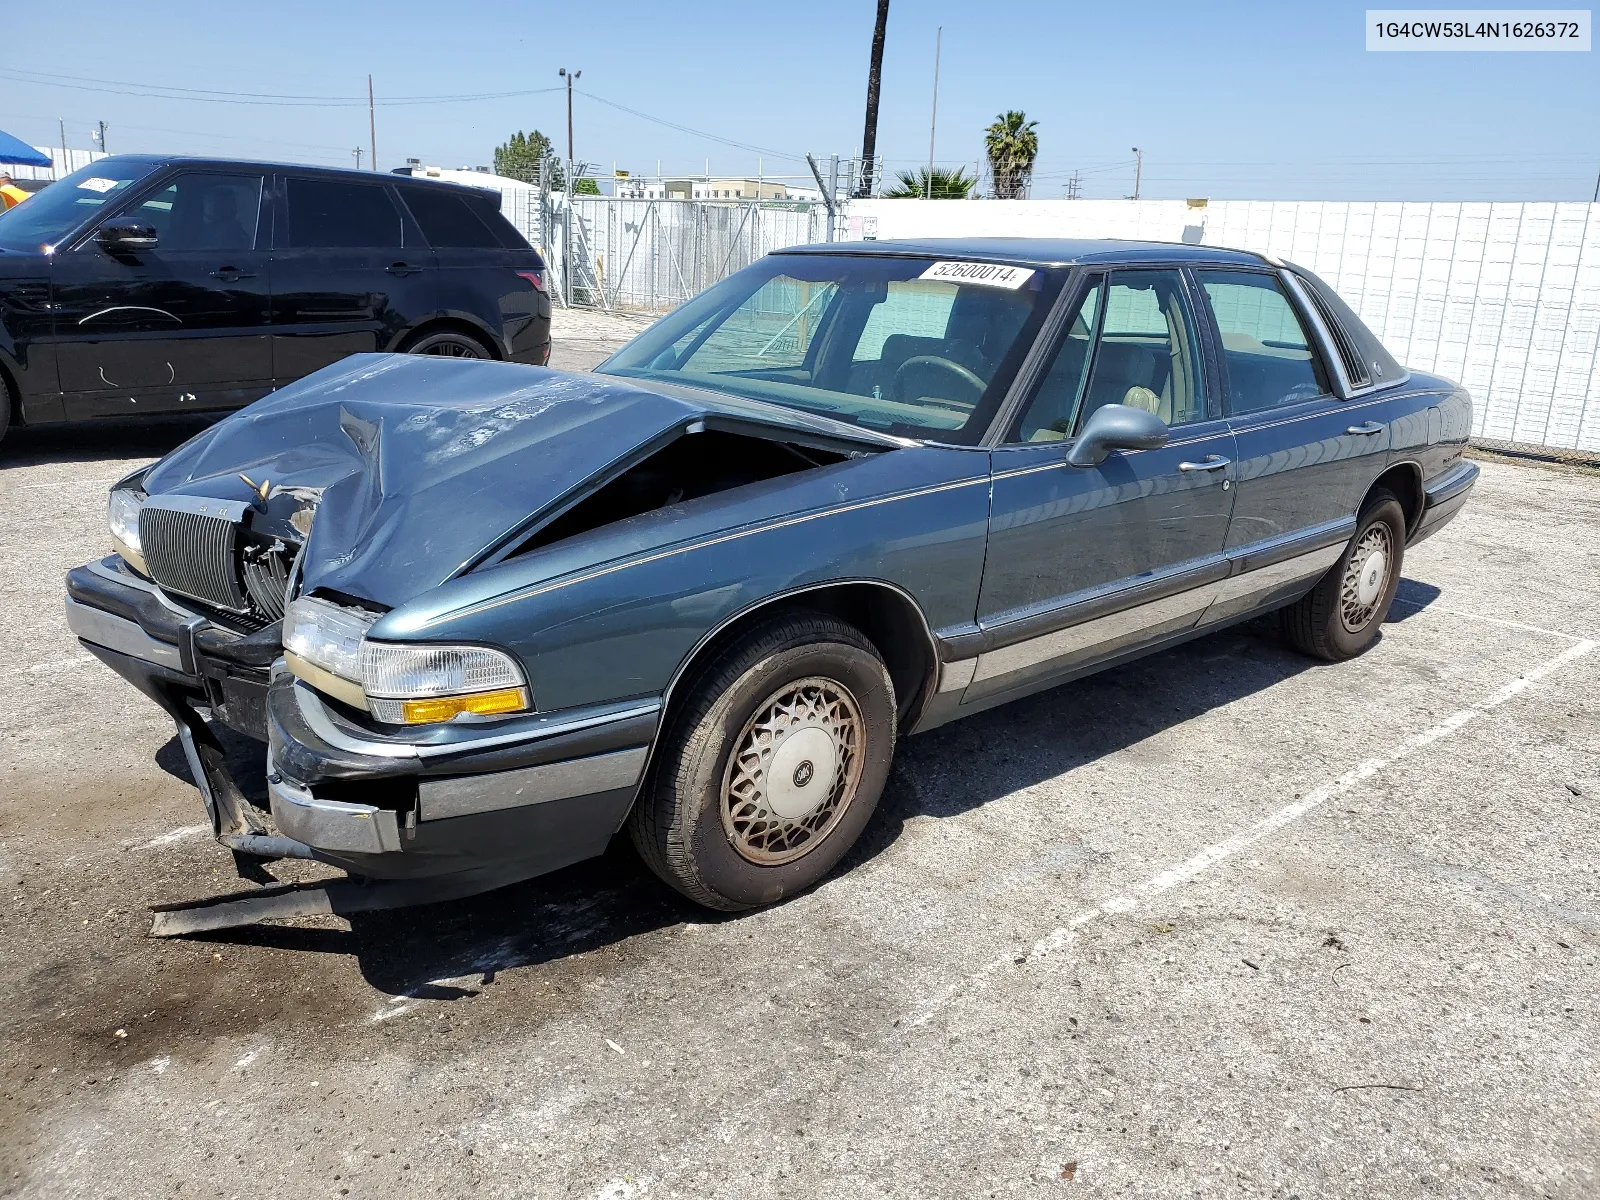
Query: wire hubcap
[[793, 772], [1366, 578]]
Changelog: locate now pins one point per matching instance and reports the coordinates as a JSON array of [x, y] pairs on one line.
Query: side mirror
[[122, 235], [1117, 427]]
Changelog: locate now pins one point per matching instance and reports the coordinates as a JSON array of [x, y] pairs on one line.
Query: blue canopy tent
[[15, 150]]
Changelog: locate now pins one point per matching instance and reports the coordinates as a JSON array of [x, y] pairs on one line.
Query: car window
[[1145, 356], [1268, 350], [447, 221], [328, 214], [55, 211], [1049, 415], [772, 329], [907, 345], [914, 308], [199, 211]]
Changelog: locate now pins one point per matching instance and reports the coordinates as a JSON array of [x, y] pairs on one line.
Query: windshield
[[918, 347], [44, 218]]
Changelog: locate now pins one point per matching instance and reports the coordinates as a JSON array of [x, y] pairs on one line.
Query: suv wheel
[[772, 765], [448, 343], [1341, 616]]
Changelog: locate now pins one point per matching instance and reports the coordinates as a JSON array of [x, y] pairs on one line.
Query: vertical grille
[[191, 547], [266, 576]]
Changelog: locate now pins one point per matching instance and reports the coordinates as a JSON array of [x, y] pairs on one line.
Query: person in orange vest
[[10, 194]]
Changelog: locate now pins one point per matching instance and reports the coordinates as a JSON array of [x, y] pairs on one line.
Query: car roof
[[1039, 252], [191, 160]]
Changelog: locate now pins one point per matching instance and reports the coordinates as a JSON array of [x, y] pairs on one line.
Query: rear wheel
[[449, 343], [1341, 616], [6, 401], [772, 766]]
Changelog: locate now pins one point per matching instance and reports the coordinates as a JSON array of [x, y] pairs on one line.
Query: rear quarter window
[[448, 221]]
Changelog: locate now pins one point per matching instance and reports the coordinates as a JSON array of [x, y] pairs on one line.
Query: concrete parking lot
[[1221, 922]]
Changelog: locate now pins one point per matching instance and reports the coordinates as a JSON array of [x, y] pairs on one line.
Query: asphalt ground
[[1221, 922]]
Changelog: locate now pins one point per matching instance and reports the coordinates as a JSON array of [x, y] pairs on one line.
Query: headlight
[[322, 645], [122, 513], [417, 684], [399, 684]]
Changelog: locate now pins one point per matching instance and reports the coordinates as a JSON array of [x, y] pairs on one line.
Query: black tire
[[6, 401], [703, 823], [450, 343], [1332, 621]]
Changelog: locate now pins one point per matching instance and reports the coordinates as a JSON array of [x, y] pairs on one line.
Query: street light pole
[[566, 239], [933, 121], [1138, 170]]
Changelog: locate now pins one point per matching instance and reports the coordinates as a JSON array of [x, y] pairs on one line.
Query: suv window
[[1270, 359], [327, 214], [447, 221], [1145, 356], [201, 211]]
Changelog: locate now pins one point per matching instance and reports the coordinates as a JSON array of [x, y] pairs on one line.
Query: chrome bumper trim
[[330, 824], [101, 628], [464, 794]]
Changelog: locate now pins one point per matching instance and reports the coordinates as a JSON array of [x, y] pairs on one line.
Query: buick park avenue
[[486, 616]]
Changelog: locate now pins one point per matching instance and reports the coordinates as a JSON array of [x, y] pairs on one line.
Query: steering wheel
[[934, 370]]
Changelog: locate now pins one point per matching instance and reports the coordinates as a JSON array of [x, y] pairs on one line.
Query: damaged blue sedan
[[485, 616]]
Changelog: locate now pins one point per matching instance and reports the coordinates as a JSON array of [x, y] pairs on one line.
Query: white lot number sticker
[[988, 274], [95, 184]]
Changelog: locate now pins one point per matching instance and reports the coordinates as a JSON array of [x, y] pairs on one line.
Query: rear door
[[486, 273], [350, 272], [1085, 562], [179, 326], [1306, 457]]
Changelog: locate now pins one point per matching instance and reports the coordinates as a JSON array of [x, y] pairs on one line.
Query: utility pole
[[101, 138], [1075, 186], [933, 122], [1138, 170], [372, 127], [357, 153], [566, 241], [65, 167], [869, 138]]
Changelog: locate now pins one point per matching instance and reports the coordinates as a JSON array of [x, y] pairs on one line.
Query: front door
[[349, 273], [1084, 563], [179, 326]]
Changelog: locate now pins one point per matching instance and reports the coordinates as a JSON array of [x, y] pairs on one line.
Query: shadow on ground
[[117, 438], [435, 951]]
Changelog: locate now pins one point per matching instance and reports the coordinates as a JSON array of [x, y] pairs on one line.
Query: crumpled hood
[[425, 462]]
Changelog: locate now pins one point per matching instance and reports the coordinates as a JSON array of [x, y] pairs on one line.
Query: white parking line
[[1456, 612], [1218, 852]]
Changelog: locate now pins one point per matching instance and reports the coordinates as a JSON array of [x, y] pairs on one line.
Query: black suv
[[142, 284]]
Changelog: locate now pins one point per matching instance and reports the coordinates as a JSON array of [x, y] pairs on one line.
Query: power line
[[152, 91], [700, 133]]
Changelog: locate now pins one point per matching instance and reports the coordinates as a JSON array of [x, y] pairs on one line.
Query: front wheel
[[772, 766], [1341, 616]]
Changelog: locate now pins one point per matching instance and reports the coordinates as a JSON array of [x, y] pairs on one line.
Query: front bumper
[[512, 798]]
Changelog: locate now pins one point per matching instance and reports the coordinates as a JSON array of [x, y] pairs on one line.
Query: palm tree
[[1012, 146], [947, 185]]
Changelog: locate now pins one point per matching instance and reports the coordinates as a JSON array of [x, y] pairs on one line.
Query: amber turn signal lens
[[443, 708]]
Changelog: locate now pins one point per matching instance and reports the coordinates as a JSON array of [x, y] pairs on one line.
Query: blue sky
[[1265, 101]]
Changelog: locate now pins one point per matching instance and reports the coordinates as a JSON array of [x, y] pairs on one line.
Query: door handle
[[1365, 428], [229, 274], [1211, 462], [402, 268]]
